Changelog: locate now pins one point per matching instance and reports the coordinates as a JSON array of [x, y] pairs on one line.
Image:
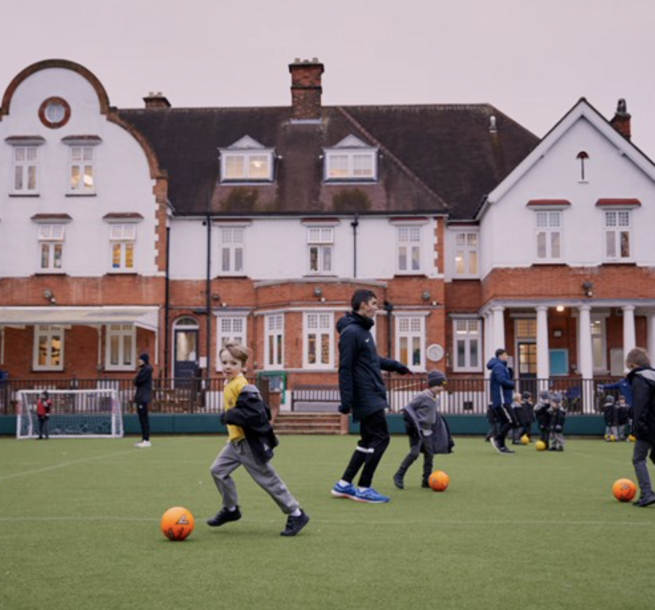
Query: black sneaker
[[644, 502], [224, 516], [506, 450], [496, 446], [425, 485], [295, 524], [398, 481]]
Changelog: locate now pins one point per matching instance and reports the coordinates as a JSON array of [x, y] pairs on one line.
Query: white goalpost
[[74, 414]]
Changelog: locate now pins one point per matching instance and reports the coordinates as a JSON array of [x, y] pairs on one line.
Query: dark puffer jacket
[[360, 378], [642, 381], [253, 415], [501, 383]]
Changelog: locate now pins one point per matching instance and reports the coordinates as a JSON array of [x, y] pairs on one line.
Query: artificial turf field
[[80, 529]]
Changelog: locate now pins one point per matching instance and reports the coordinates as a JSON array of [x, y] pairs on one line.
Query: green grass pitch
[[79, 528]]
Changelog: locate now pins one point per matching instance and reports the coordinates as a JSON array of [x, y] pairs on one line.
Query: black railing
[[462, 396], [188, 395]]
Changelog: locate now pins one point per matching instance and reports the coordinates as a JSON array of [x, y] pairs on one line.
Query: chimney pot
[[156, 100], [621, 120]]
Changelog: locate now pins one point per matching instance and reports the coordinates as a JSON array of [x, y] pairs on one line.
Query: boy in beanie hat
[[557, 418], [542, 414], [611, 418], [421, 417]]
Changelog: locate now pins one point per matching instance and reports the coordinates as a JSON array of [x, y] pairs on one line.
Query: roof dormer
[[351, 160], [246, 161]]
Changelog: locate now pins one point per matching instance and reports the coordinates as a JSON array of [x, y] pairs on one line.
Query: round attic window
[[54, 112]]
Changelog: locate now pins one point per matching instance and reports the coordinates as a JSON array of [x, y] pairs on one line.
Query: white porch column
[[488, 343], [651, 335], [629, 336], [586, 364], [586, 360], [498, 328], [543, 352]]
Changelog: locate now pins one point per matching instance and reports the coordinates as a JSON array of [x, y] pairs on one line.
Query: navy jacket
[[624, 387], [643, 393], [253, 415], [143, 383], [360, 368], [502, 385]]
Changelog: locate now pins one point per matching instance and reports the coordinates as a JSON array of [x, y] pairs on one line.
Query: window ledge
[[466, 277], [57, 273], [350, 181], [239, 182], [81, 194], [120, 273], [549, 264], [319, 276], [226, 276], [403, 274], [628, 263], [24, 194]]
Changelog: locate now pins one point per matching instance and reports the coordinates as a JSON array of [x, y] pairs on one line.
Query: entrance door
[[527, 365], [185, 365]]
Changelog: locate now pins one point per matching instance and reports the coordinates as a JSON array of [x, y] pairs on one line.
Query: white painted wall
[[508, 227], [276, 248], [122, 180]]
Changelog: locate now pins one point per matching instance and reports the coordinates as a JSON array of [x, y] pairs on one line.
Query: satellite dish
[[435, 352]]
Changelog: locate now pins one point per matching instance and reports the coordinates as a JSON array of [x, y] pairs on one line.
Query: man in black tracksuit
[[363, 392], [143, 397]]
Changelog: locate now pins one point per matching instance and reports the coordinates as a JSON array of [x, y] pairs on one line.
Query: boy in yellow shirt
[[250, 444]]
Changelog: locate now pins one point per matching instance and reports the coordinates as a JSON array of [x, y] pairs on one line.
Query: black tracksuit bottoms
[[373, 443], [144, 420]]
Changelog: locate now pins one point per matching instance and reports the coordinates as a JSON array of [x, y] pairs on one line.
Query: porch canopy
[[143, 317]]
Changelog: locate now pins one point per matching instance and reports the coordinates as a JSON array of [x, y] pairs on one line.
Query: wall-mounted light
[[318, 292], [216, 297], [560, 308], [47, 294], [588, 288], [426, 295]]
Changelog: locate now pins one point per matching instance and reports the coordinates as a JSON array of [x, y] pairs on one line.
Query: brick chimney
[[621, 120], [156, 100], [306, 89]]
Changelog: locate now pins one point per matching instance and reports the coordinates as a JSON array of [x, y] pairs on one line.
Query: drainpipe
[[388, 307], [354, 224], [208, 297], [167, 304]]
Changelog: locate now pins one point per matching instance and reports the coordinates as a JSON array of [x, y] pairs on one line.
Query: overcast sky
[[533, 59]]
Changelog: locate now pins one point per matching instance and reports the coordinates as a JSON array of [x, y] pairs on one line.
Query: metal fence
[[462, 396], [168, 395]]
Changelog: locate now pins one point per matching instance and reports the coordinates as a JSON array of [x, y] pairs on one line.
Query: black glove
[[403, 370], [344, 409], [222, 418]]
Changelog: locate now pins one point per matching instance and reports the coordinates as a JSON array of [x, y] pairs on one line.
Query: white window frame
[[321, 241], [248, 165], [232, 245], [614, 230], [467, 331], [50, 333], [545, 225], [23, 167], [324, 327], [349, 159], [410, 328], [274, 341], [467, 253], [122, 236], [409, 241], [50, 237], [225, 331], [126, 354], [86, 166]]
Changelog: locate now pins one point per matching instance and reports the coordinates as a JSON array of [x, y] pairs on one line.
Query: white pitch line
[[64, 465]]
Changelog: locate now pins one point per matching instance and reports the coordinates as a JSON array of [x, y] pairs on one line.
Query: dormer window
[[246, 161], [351, 160]]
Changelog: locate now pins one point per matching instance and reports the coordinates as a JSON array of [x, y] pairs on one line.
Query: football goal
[[74, 414]]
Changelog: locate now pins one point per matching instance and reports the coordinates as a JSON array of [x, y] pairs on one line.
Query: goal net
[[74, 414]]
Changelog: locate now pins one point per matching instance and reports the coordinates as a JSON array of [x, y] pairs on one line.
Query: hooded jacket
[[432, 429], [502, 385], [360, 378], [143, 383], [253, 415], [642, 381]]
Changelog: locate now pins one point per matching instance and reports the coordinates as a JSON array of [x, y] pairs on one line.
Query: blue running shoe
[[371, 496], [344, 491]]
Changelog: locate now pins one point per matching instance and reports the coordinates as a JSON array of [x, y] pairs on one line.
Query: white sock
[[296, 513], [231, 508], [344, 483], [364, 488]]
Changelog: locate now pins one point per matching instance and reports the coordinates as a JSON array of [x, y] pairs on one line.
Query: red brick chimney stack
[[621, 120], [156, 100], [306, 89]]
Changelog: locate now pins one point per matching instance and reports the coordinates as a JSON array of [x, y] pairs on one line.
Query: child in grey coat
[[420, 417]]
